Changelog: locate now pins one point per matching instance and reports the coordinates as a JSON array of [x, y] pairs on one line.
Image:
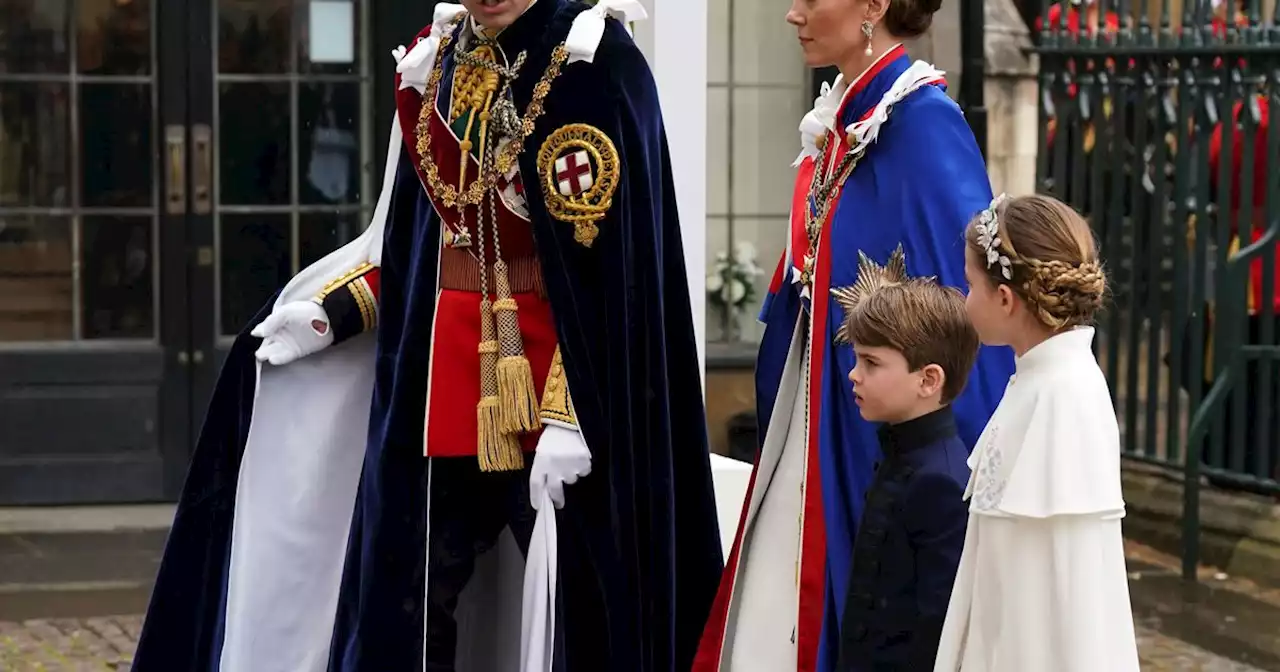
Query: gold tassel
[[519, 398], [496, 449]]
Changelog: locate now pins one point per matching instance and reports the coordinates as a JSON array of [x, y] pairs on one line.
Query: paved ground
[[102, 644], [1162, 653], [57, 591], [106, 645]]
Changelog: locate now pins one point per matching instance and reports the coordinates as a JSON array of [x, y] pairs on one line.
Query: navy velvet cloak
[[183, 626], [626, 335], [642, 522]]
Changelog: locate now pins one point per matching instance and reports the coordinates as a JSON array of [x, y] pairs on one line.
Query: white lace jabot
[[832, 97]]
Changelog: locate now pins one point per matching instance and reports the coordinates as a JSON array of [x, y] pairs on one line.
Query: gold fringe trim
[[519, 411], [496, 450], [516, 392]]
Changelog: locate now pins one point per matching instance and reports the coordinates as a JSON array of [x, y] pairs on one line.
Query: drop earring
[[867, 29]]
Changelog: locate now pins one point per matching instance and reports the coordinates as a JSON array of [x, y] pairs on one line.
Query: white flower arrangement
[[731, 284]]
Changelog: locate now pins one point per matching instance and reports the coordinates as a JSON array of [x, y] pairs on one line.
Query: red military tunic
[[455, 376]]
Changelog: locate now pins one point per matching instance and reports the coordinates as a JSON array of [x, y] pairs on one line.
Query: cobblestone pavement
[[106, 645], [69, 645], [1158, 652]]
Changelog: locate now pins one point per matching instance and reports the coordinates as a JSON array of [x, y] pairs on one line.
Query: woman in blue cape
[[888, 160]]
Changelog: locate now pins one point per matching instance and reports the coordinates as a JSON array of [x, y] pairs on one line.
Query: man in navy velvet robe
[[518, 312]]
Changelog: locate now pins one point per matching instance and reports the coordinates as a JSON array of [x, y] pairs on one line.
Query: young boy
[[915, 348]]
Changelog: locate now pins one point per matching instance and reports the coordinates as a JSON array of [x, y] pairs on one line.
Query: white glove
[[293, 331], [562, 458]]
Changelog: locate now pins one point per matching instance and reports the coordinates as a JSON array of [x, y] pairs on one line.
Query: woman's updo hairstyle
[[1045, 252], [910, 18]]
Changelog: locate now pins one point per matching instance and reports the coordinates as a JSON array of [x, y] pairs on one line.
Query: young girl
[[1042, 584]]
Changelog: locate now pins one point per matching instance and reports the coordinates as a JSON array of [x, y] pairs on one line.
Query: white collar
[[1060, 347], [826, 108]]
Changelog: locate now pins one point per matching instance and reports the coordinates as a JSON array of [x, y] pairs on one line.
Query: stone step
[[79, 562]]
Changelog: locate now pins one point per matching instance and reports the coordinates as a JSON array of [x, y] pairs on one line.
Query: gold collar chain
[[488, 180], [818, 204]]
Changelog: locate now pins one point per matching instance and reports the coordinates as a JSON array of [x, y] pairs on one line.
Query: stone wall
[[1011, 92], [1239, 532], [1011, 88], [941, 45]]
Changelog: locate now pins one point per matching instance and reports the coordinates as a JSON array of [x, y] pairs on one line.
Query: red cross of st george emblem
[[578, 172], [573, 173]]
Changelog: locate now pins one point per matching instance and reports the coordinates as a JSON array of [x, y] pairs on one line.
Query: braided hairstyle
[[1052, 258]]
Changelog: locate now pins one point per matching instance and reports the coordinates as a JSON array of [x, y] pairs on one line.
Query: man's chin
[[494, 15]]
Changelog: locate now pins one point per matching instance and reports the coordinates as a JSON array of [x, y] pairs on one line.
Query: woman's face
[[828, 29]]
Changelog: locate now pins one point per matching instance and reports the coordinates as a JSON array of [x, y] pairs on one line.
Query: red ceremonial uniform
[[455, 387], [1259, 188], [1111, 26], [455, 362]]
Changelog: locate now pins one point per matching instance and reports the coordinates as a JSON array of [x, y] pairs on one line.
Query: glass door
[[165, 167], [92, 279], [283, 92]]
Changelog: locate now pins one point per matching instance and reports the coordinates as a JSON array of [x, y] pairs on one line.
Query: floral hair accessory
[[988, 230]]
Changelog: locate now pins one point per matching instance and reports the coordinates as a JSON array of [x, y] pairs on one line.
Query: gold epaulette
[[556, 404], [342, 280]]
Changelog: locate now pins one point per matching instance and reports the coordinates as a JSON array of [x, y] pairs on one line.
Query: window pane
[[35, 279], [254, 36], [768, 236], [115, 140], [322, 233], [33, 36], [718, 151], [717, 242], [765, 143], [118, 277], [253, 143], [329, 37], [765, 47], [718, 41], [34, 161], [253, 264], [114, 37], [328, 132]]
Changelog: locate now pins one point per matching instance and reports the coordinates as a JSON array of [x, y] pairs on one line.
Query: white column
[[674, 39]]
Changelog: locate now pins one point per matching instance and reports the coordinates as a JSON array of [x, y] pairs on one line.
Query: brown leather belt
[[460, 271]]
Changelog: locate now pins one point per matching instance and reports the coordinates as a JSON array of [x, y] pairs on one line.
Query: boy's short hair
[[924, 321]]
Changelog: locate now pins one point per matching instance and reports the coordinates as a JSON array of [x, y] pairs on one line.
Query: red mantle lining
[[812, 587], [799, 237]]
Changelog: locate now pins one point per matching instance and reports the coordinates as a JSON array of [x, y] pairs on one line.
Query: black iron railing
[[1154, 122]]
